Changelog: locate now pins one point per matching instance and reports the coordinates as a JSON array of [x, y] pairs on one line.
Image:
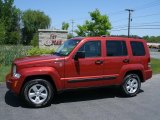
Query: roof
[[109, 37]]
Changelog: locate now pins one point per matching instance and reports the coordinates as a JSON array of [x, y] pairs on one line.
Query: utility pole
[[129, 20], [72, 26]]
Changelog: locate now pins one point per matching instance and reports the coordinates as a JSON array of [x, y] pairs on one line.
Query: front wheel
[[38, 93], [131, 85]]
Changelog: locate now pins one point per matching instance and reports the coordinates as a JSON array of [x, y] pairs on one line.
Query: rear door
[[115, 58]]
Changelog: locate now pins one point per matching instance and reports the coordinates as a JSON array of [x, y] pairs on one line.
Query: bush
[[39, 51], [9, 53], [34, 41]]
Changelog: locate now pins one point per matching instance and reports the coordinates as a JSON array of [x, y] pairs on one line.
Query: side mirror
[[80, 54]]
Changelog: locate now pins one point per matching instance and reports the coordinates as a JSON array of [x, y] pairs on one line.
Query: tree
[[2, 33], [32, 21], [154, 39], [97, 26], [70, 35], [65, 26], [10, 17], [34, 41]]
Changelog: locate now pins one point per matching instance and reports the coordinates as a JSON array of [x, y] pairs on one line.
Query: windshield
[[66, 48]]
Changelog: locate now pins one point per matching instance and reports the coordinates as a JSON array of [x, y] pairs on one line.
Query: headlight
[[15, 74], [14, 69]]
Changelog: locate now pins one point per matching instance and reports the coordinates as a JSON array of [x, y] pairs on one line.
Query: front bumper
[[13, 84]]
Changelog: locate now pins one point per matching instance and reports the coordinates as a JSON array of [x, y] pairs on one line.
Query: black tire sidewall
[[126, 93], [46, 84]]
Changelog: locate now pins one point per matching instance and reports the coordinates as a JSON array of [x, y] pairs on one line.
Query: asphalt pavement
[[95, 104]]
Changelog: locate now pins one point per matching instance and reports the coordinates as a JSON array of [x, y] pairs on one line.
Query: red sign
[[53, 41]]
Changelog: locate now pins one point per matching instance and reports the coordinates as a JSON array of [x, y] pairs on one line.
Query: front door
[[85, 72]]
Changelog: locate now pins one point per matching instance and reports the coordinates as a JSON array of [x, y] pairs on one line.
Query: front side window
[[137, 48], [91, 49], [116, 48], [66, 48]]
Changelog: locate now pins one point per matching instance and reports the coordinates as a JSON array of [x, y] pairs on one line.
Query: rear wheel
[[131, 85], [38, 93]]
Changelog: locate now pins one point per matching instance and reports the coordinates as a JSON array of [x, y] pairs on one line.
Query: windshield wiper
[[58, 54]]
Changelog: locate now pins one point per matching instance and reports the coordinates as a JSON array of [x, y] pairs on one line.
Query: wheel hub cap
[[132, 85], [38, 94]]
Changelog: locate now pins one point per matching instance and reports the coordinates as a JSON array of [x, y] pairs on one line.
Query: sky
[[145, 18]]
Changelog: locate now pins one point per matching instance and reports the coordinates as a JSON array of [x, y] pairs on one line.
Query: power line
[[85, 18], [137, 17], [155, 22], [148, 5], [142, 7], [148, 15], [135, 28], [143, 25]]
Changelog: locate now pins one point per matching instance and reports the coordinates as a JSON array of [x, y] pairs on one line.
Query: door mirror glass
[[79, 54]]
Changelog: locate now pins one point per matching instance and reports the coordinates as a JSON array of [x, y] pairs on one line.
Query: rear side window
[[116, 48], [137, 48]]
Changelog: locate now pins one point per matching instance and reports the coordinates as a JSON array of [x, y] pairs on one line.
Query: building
[[154, 45]]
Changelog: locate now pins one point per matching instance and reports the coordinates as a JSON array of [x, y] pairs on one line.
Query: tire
[[38, 93], [131, 85]]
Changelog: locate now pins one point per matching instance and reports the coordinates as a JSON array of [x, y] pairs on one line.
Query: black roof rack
[[132, 36]]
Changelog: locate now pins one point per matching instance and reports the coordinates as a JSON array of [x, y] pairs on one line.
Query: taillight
[[149, 62]]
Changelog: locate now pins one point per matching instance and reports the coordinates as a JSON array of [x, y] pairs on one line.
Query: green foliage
[[155, 64], [4, 70], [34, 41], [97, 26], [2, 33], [10, 17], [154, 39], [39, 51], [9, 53], [33, 20], [15, 37], [12, 20], [70, 36], [65, 26]]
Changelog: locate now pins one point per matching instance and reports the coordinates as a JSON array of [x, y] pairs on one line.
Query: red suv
[[82, 63]]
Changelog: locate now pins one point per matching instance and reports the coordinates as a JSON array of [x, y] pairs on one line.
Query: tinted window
[[91, 49], [116, 48], [137, 48]]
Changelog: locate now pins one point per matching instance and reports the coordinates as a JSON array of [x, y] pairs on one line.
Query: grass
[[155, 63], [4, 70]]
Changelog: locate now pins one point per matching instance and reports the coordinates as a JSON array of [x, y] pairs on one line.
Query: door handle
[[126, 60], [99, 62]]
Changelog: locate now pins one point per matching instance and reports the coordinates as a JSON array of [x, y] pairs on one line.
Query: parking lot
[[96, 104], [155, 54]]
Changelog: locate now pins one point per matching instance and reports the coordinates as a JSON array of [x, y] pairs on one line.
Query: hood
[[32, 59]]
